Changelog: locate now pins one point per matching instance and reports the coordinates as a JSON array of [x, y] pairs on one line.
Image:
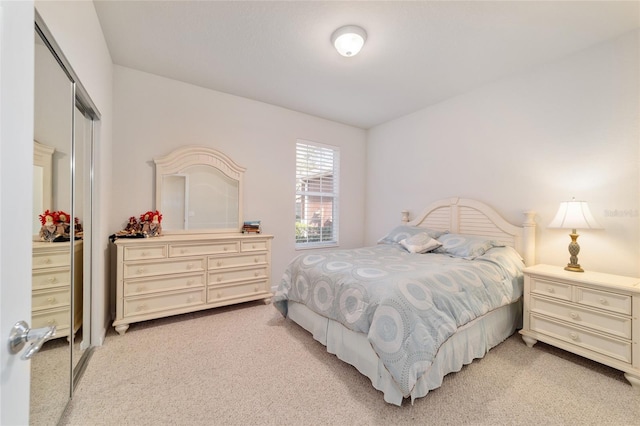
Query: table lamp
[[573, 215]]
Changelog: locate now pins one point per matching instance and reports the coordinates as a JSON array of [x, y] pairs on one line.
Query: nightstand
[[591, 314]]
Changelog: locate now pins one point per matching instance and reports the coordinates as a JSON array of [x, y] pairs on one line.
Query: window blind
[[317, 178]]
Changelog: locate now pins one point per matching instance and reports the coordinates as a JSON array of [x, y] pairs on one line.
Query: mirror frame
[[43, 157], [180, 159]]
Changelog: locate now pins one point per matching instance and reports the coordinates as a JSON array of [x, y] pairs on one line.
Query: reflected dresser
[[591, 314], [175, 274], [51, 286]]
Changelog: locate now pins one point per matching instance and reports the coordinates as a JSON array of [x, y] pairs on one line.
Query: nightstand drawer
[[617, 325], [608, 301], [553, 289], [609, 346]]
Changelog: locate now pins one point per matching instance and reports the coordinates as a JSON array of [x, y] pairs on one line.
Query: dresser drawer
[[145, 286], [146, 252], [554, 289], [48, 299], [177, 250], [147, 269], [216, 293], [611, 347], [51, 259], [225, 277], [608, 301], [50, 278], [236, 261], [61, 318], [163, 302], [246, 246], [614, 324]]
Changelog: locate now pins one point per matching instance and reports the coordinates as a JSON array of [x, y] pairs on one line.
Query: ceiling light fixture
[[348, 40]]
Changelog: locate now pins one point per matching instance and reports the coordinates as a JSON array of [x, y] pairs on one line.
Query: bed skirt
[[471, 341]]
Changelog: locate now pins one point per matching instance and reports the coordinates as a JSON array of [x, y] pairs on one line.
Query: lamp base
[[573, 267]]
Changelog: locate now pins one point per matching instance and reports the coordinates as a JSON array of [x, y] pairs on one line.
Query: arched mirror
[[199, 189], [64, 119]]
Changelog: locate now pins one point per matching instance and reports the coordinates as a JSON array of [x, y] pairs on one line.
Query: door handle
[[21, 334]]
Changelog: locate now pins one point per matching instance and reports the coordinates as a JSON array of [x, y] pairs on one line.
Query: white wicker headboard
[[471, 217]]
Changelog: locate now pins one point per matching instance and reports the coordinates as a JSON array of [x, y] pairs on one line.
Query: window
[[316, 194]]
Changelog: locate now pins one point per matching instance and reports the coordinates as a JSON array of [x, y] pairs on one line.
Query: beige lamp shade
[[574, 215]]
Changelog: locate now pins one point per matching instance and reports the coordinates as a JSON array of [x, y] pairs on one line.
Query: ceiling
[[417, 53]]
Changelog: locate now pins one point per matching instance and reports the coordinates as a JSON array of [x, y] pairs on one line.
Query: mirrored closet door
[[64, 129]]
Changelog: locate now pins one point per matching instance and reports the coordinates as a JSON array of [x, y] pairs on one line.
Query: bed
[[434, 294]]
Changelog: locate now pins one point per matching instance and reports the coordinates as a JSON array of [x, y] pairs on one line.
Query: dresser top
[[587, 277], [177, 238]]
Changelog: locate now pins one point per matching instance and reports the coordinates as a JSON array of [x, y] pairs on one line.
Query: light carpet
[[247, 365]]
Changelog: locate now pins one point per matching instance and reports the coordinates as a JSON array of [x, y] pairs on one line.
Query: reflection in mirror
[[51, 282], [199, 188], [62, 270]]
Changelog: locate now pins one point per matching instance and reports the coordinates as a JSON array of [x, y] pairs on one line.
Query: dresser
[[591, 314], [175, 274], [51, 286]]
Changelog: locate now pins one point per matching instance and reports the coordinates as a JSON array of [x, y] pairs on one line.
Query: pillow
[[465, 246], [401, 232], [420, 243]]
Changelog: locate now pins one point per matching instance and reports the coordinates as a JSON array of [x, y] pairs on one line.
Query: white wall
[[565, 129], [155, 115], [76, 29]]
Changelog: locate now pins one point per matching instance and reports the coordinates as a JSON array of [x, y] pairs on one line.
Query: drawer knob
[[256, 274], [551, 290], [574, 336], [256, 260], [253, 246], [574, 315], [52, 279], [51, 300], [51, 322], [225, 249], [140, 288], [602, 301], [218, 295], [190, 282], [141, 270], [189, 299], [141, 308], [189, 265], [219, 278], [219, 263], [183, 251], [145, 253], [47, 260]]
